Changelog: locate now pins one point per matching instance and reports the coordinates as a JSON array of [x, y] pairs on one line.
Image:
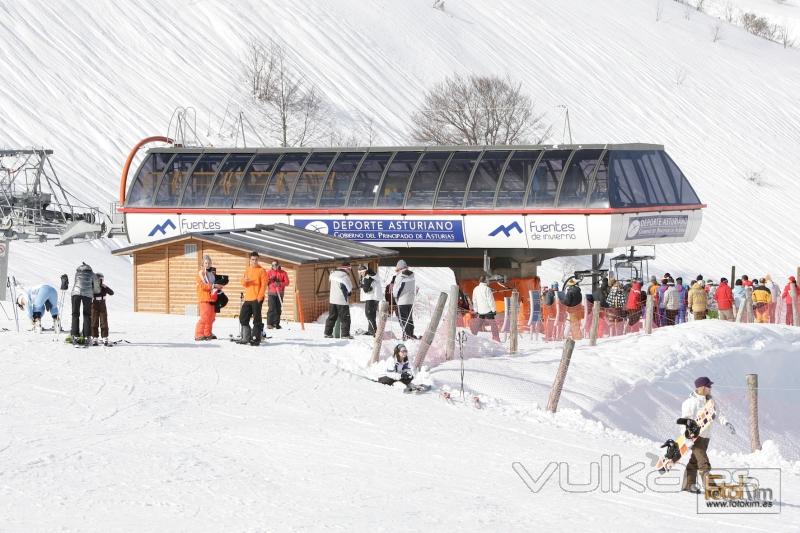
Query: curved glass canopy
[[412, 178]]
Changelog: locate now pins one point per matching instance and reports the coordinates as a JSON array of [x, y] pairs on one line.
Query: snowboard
[[678, 447]]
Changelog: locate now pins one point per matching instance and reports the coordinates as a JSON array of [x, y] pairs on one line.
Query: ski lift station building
[[165, 270], [451, 206]]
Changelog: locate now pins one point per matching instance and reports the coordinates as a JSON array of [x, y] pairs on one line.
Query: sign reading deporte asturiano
[[383, 230]]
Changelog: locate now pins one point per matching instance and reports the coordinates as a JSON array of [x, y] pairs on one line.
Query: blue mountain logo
[[162, 227], [506, 229]]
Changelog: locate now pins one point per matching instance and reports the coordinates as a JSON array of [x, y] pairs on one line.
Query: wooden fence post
[[427, 339], [561, 376], [595, 323], [383, 315], [451, 322], [514, 329], [648, 316], [752, 395]]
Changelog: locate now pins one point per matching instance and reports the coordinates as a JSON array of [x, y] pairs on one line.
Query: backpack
[[573, 296], [96, 287], [366, 284], [549, 297]]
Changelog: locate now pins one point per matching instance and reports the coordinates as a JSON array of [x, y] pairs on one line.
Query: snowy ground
[[163, 433]]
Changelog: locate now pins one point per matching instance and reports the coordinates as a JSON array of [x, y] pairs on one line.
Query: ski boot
[[106, 342], [56, 325], [245, 338], [37, 325]]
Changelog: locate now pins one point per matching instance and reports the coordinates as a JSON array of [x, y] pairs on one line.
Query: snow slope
[[91, 79], [163, 433]]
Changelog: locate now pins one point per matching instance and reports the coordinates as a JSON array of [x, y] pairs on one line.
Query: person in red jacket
[[277, 281], [787, 298], [724, 297]]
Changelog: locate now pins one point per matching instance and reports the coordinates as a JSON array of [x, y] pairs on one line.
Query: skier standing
[[485, 306], [791, 287], [99, 310], [371, 294], [277, 281], [775, 291], [699, 463], [254, 282], [82, 294], [206, 294], [671, 302], [724, 298], [36, 301], [341, 287], [698, 300], [404, 292], [762, 300]]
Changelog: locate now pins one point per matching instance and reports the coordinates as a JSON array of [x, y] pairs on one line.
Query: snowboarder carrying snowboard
[[699, 463]]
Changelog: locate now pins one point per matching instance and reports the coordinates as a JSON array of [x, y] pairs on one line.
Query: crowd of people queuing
[[623, 303]]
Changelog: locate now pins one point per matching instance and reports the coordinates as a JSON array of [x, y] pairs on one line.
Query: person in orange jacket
[[254, 282], [205, 301]]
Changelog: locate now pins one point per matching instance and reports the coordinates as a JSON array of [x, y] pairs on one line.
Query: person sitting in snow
[[400, 369], [699, 463], [36, 301]]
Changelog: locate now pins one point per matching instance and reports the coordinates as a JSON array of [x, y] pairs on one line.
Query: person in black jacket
[[99, 310]]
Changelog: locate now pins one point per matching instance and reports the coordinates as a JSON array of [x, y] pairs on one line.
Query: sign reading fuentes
[[383, 230]]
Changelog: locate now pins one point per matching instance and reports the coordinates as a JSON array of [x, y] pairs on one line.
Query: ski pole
[[461, 338]]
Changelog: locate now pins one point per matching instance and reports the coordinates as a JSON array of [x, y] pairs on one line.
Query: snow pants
[[274, 312], [206, 321], [252, 308], [342, 312], [99, 318], [371, 311], [726, 314], [77, 302], [698, 463], [386, 380], [406, 319]]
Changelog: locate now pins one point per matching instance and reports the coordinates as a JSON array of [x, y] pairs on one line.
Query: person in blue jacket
[[38, 300]]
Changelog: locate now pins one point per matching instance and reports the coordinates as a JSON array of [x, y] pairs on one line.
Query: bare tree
[[478, 110], [729, 12], [784, 37], [292, 108], [716, 31]]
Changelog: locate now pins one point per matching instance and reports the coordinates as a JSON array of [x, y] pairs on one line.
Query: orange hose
[[123, 184]]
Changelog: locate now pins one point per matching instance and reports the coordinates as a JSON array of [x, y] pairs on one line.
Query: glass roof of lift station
[[460, 178]]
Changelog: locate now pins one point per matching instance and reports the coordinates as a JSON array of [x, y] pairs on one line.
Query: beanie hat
[[723, 280], [206, 258], [401, 265], [791, 279], [702, 382]]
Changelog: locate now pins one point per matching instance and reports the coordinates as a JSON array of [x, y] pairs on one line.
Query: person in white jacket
[[371, 295], [672, 303], [484, 306], [341, 287], [399, 368], [404, 292], [699, 463]]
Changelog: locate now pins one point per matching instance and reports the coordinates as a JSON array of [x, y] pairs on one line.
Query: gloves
[[730, 428]]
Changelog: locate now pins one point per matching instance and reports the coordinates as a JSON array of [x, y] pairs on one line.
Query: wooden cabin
[[165, 271]]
